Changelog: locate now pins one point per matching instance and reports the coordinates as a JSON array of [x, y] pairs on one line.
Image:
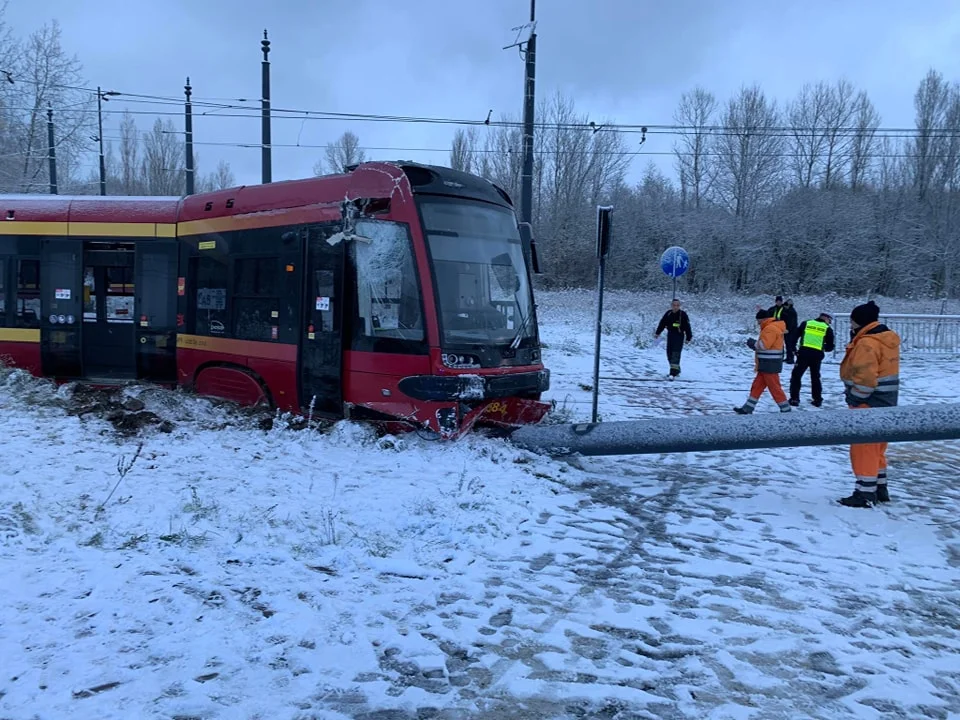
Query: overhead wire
[[279, 112], [235, 108]]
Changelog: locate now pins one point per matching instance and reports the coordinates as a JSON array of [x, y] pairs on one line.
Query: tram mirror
[[505, 273]]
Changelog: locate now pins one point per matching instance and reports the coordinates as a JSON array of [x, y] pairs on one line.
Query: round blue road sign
[[674, 261]]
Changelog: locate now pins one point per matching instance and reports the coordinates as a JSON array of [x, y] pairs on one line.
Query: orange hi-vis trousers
[[766, 381], [869, 462]]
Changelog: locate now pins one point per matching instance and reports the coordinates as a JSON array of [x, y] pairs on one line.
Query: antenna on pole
[[528, 51]]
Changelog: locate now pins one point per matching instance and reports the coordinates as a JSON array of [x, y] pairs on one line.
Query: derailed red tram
[[396, 292]]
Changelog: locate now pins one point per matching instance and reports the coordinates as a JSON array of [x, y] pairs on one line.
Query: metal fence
[[918, 333]]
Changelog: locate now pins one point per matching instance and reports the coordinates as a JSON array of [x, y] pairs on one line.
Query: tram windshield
[[483, 289]]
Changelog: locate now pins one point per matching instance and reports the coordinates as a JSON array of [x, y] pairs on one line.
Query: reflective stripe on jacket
[[769, 351], [871, 367]]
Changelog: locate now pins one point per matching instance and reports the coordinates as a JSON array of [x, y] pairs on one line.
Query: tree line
[[809, 195], [36, 74]]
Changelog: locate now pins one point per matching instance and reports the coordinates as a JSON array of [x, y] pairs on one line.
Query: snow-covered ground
[[243, 573]]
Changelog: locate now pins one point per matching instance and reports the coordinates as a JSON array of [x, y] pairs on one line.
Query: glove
[[752, 344]]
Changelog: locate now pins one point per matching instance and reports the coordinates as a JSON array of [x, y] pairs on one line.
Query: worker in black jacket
[[789, 317], [816, 339], [677, 325]]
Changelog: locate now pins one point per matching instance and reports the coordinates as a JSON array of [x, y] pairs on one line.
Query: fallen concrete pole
[[708, 433]]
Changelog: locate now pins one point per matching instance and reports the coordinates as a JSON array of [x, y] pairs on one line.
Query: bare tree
[[463, 149], [840, 112], [223, 177], [501, 158], [338, 155], [864, 141], [808, 118], [749, 150], [41, 76], [931, 102], [129, 156], [9, 144], [695, 163], [162, 167]]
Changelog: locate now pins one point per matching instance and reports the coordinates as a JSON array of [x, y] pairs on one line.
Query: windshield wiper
[[515, 343]]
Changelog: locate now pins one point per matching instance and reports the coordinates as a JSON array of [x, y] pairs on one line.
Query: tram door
[[108, 311], [321, 345], [155, 273]]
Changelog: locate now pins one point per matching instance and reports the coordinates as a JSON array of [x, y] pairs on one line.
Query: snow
[[237, 572]]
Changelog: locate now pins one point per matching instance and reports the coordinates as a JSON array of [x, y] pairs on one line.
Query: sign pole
[[603, 249]]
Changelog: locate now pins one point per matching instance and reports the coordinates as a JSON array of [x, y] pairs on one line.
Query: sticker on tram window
[[274, 332], [62, 294], [323, 303], [181, 286], [207, 244]]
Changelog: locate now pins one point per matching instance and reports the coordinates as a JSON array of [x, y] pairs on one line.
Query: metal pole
[[596, 346], [529, 106], [711, 433], [51, 152], [103, 165], [267, 170], [603, 247], [188, 122]]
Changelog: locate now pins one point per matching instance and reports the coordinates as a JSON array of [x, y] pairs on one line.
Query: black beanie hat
[[763, 314], [865, 314]]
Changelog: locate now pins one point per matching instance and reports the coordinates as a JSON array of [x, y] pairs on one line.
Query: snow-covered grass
[[237, 572]]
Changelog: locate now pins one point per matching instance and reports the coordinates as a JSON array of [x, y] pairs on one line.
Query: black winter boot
[[882, 494], [859, 500]]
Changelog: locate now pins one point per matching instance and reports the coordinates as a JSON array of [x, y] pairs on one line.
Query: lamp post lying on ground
[[710, 433]]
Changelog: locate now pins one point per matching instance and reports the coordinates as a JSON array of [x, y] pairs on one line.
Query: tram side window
[[28, 293], [256, 299], [388, 292], [119, 297], [211, 299]]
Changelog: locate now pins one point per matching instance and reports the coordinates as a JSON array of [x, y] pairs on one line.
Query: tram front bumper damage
[[453, 405], [467, 388]]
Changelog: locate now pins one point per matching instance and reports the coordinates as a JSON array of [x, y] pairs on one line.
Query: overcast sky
[[625, 59]]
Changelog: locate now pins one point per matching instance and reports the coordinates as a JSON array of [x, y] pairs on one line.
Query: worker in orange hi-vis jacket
[[871, 376], [768, 363]]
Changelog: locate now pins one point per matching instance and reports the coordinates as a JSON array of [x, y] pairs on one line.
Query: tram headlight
[[460, 360]]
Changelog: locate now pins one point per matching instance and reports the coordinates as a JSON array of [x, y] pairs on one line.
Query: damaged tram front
[[445, 331]]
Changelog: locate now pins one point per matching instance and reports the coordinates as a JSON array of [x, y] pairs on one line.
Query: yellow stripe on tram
[[24, 335]]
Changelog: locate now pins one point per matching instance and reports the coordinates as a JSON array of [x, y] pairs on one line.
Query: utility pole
[[526, 182], [51, 152], [188, 122], [267, 170], [101, 98], [528, 51], [103, 163]]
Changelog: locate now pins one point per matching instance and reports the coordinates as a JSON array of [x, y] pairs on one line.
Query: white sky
[[625, 59]]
